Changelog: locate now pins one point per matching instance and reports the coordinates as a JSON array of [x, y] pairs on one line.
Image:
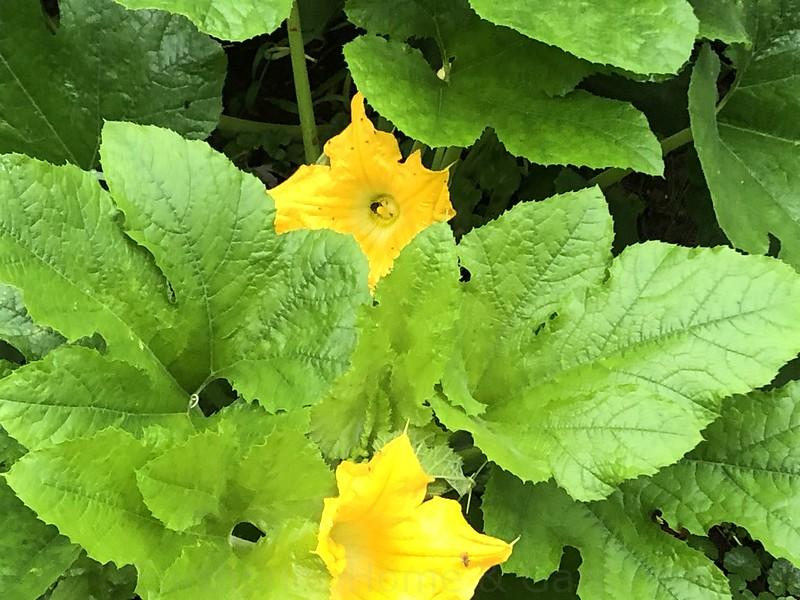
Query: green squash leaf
[[32, 555], [521, 267], [102, 63], [88, 488], [750, 150], [218, 474], [724, 20], [151, 502], [747, 471], [231, 275], [88, 579], [407, 336], [656, 37], [81, 280], [274, 314], [225, 19], [589, 397], [185, 484], [452, 105], [624, 551], [76, 391], [281, 567]]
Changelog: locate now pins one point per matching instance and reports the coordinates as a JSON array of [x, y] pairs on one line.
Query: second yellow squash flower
[[367, 192], [381, 540]]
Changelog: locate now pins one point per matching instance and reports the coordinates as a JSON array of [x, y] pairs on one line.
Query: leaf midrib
[[38, 109]]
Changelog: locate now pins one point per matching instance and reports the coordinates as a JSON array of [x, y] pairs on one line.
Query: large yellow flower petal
[[381, 541], [367, 192], [360, 146]]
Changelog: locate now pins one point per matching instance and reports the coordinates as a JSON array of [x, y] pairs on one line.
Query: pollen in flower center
[[384, 209]]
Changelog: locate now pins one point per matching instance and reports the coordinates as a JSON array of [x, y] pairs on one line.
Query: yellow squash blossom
[[381, 541], [367, 192]]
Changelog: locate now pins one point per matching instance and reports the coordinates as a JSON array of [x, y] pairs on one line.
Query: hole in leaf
[[170, 293], [774, 246], [94, 341], [658, 518], [247, 531], [217, 395], [52, 14], [465, 275], [11, 354]]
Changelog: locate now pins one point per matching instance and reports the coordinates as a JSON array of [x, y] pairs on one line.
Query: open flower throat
[[385, 209], [381, 540], [367, 192]]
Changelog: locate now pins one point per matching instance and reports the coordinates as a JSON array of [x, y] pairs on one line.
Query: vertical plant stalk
[[302, 87]]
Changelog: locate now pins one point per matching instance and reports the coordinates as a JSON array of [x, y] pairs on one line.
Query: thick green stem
[[305, 105], [676, 140], [610, 177]]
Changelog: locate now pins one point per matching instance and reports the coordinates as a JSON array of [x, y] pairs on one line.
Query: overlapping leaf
[[723, 20], [108, 492], [521, 267], [406, 338], [274, 314], [750, 150], [281, 568], [746, 471], [17, 328], [33, 554], [490, 76], [77, 391], [656, 37], [630, 371], [101, 63], [225, 19], [87, 578], [624, 551], [234, 280]]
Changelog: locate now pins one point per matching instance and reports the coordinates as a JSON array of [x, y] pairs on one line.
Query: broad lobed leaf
[[590, 397], [406, 338], [32, 554], [75, 392], [745, 471], [656, 37], [59, 83], [144, 502], [233, 278], [238, 295], [453, 106], [749, 146], [624, 551]]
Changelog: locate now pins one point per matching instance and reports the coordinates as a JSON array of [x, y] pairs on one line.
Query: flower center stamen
[[384, 209]]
